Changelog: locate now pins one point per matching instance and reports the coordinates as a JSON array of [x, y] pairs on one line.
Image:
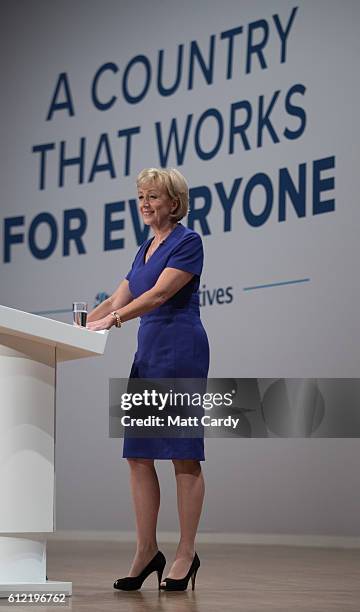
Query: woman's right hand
[[104, 323]]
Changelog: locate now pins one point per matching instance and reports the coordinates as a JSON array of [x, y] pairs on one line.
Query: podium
[[30, 348]]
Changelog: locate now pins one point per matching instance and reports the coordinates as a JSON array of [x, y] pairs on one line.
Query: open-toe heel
[[180, 584], [133, 583]]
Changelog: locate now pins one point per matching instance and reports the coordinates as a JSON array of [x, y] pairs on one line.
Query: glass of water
[[80, 313]]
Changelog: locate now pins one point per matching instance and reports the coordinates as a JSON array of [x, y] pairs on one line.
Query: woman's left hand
[[104, 323]]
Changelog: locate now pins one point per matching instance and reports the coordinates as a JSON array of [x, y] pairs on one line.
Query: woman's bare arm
[[118, 299], [170, 281]]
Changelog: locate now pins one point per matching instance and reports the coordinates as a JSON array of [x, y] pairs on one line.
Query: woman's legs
[[190, 494], [145, 492]]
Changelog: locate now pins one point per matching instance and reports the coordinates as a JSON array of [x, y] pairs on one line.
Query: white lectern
[[30, 348]]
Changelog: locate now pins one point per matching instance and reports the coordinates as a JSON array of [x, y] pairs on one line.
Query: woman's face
[[155, 204]]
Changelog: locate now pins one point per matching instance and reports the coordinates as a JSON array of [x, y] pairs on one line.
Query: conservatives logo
[[100, 297]]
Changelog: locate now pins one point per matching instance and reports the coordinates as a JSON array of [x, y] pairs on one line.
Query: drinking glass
[[80, 313]]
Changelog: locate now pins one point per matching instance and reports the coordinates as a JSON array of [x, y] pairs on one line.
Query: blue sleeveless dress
[[172, 342]]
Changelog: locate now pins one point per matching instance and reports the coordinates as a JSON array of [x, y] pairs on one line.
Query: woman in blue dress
[[162, 289]]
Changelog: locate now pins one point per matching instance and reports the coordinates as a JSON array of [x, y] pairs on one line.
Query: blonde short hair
[[175, 184]]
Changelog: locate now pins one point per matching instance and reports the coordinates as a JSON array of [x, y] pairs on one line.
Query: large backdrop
[[256, 104]]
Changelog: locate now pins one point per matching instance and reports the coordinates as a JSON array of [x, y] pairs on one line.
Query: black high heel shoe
[[133, 583], [180, 584]]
